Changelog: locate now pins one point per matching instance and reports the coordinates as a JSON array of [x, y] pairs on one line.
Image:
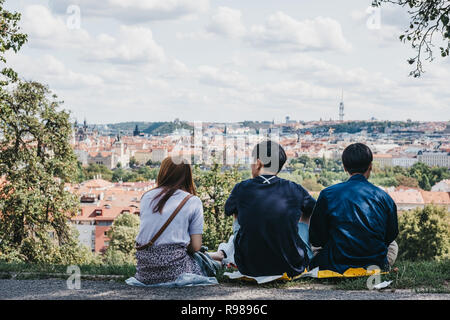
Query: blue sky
[[208, 60]]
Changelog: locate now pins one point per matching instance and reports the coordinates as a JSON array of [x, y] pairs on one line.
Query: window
[[104, 223]]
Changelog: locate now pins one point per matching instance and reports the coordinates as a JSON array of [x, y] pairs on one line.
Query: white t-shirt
[[187, 222]]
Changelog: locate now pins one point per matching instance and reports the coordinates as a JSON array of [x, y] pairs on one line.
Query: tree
[[424, 233], [36, 162], [214, 187], [312, 185], [122, 235], [10, 39], [406, 181], [133, 162], [94, 170], [427, 18]]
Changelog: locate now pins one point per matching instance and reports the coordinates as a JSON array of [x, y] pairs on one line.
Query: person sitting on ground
[[269, 238], [162, 257], [354, 223]]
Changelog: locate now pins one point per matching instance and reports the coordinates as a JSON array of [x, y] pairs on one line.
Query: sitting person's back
[[268, 211], [354, 222], [163, 243]]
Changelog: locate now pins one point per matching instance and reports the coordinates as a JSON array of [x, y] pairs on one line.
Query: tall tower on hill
[[341, 108]]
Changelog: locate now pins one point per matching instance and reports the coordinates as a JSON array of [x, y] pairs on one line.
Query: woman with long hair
[[165, 248]]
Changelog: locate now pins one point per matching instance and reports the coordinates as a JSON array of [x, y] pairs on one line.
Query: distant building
[[384, 160], [412, 198], [136, 131], [101, 203], [159, 154], [142, 156], [82, 156], [404, 162], [442, 186], [439, 159]]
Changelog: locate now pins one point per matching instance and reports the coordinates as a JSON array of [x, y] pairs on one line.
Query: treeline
[[358, 126], [153, 128], [314, 174], [318, 173]]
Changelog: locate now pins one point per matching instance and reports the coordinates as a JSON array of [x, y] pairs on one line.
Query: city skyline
[[227, 61]]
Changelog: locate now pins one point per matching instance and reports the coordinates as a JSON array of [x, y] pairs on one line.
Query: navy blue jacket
[[267, 242], [354, 222]]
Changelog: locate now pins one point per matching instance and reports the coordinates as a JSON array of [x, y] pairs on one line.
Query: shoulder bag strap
[[156, 236]]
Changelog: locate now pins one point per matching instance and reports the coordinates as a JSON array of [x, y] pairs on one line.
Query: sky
[[226, 60]]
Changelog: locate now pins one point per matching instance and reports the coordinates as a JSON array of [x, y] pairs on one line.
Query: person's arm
[[231, 203], [196, 227], [195, 244], [308, 203], [318, 228], [392, 223]]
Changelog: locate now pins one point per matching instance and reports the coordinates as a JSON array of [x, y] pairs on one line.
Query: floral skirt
[[164, 263]]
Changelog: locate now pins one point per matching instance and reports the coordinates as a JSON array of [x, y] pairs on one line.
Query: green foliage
[[427, 19], [428, 176], [36, 161], [94, 170], [312, 185], [136, 174], [213, 188], [424, 234], [10, 39], [158, 128], [42, 249], [358, 126], [122, 235], [406, 181]]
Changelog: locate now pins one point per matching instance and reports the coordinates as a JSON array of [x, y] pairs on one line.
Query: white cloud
[[48, 31], [227, 22], [130, 45], [133, 44], [134, 11], [53, 72], [282, 32], [221, 78], [326, 74]]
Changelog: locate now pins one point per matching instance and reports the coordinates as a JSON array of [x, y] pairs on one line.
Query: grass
[[33, 271], [422, 276]]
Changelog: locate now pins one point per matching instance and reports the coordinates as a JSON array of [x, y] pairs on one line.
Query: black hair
[[268, 152], [357, 158]]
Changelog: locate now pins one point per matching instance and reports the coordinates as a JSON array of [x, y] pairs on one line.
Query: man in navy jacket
[[354, 222], [272, 216]]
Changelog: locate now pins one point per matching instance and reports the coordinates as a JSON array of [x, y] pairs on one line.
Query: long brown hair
[[173, 175]]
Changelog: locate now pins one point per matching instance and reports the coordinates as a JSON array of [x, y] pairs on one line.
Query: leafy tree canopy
[[429, 25]]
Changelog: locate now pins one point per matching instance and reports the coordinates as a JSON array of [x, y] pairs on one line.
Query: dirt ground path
[[56, 289]]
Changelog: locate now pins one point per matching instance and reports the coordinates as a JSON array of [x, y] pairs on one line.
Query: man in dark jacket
[[354, 222], [271, 235]]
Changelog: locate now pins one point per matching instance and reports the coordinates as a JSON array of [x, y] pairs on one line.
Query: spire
[[341, 107]]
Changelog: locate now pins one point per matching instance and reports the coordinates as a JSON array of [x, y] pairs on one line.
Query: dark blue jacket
[[354, 222], [267, 242]]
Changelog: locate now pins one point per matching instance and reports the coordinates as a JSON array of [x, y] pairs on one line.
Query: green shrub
[[213, 188], [424, 234], [41, 249], [122, 242]]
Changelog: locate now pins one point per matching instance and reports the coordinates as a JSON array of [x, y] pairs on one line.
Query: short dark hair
[[271, 154], [357, 158]]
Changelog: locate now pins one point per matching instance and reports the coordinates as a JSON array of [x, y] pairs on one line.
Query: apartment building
[[101, 203]]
